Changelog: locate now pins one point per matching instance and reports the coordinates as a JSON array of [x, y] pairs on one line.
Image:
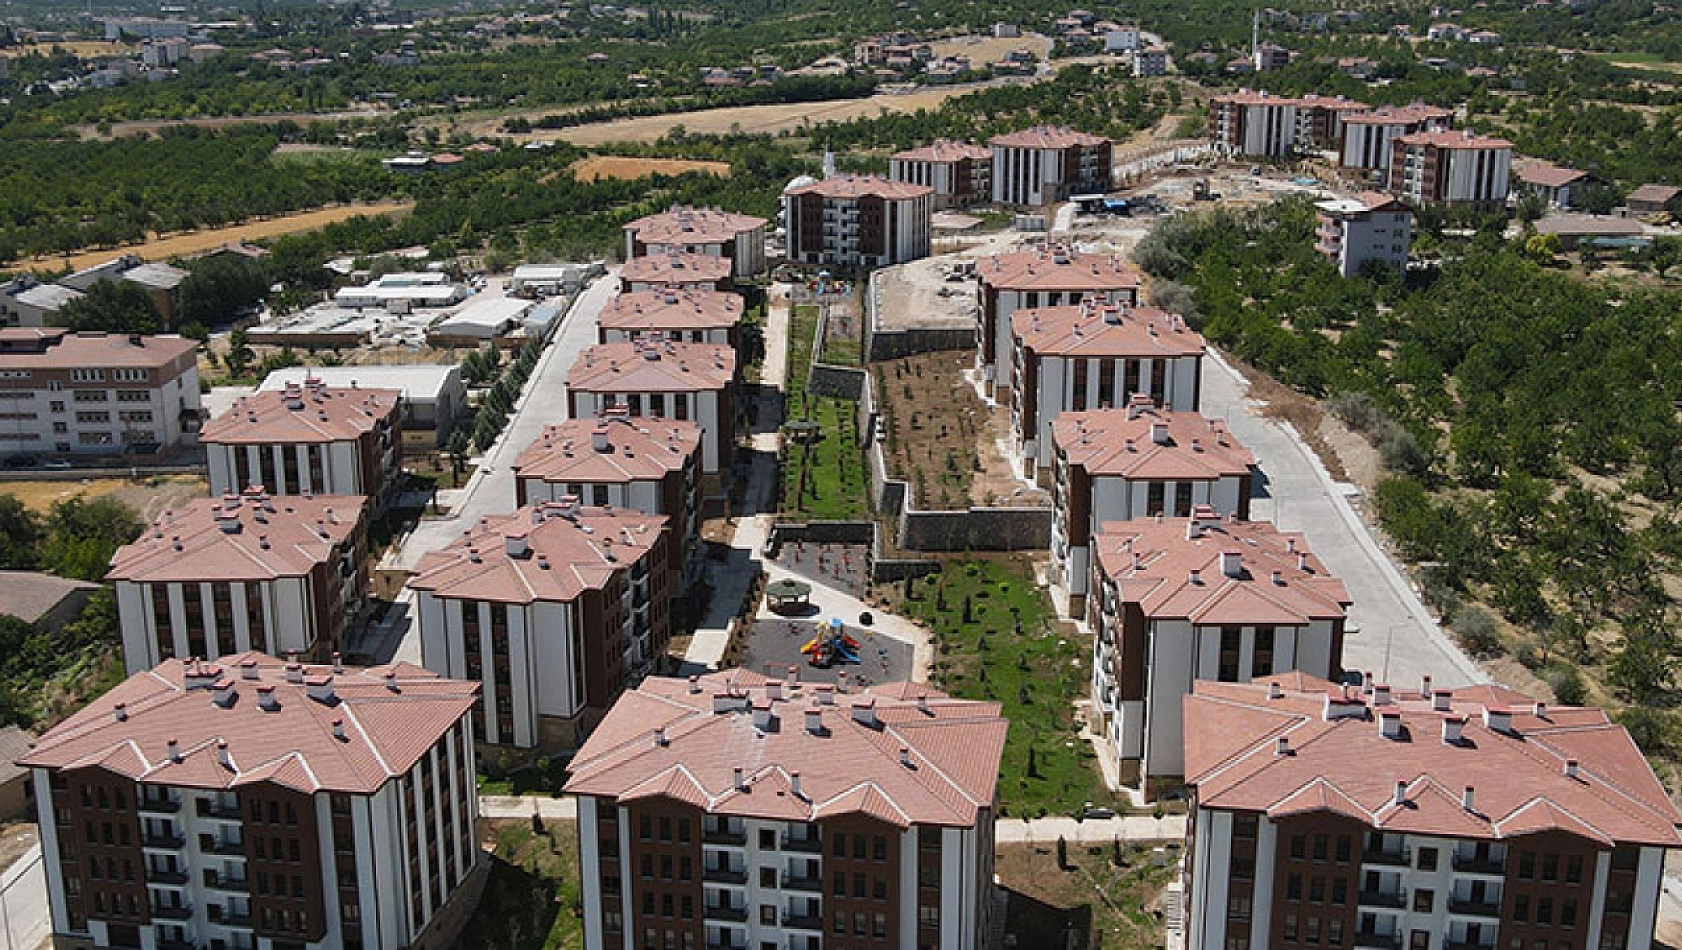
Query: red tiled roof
[[671, 308], [1104, 330], [861, 186], [944, 150], [549, 552], [1152, 562], [653, 367], [1454, 139], [1334, 103], [1659, 194], [675, 269], [641, 449], [1119, 442], [1056, 267], [686, 225], [251, 536], [1046, 136], [307, 413], [97, 350], [845, 767], [1400, 115], [1517, 777], [1379, 201], [1254, 97], [388, 725]]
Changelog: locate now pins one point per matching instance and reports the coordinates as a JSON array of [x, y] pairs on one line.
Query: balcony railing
[[1381, 899], [802, 921], [1366, 940], [813, 884], [166, 878], [172, 913], [167, 842], [1474, 908], [223, 882], [1392, 858], [804, 845], [1464, 945], [724, 876], [157, 806], [1474, 865], [734, 839], [235, 849], [737, 914], [209, 809]]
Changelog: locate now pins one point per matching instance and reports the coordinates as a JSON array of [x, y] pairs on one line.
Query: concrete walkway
[[1397, 640]]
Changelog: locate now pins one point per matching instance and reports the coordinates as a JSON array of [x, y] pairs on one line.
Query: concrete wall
[[975, 529], [837, 382]]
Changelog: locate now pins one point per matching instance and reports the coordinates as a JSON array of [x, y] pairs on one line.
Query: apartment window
[[1293, 887], [768, 914], [1244, 826], [1299, 846], [1574, 869], [1316, 890], [1568, 912], [768, 877], [1238, 907], [87, 375], [1527, 865], [1340, 891], [1289, 927], [1550, 867], [1312, 930], [1182, 499], [1544, 910], [1231, 638], [1521, 908], [879, 927], [1153, 499], [1334, 931], [767, 839], [1423, 898], [1320, 844], [1427, 859]]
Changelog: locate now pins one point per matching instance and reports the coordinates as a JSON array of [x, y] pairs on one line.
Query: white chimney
[[121, 710], [1425, 686], [1381, 694], [1159, 433], [1442, 700], [224, 692], [338, 663], [1342, 708], [660, 740], [905, 756], [174, 750], [814, 721], [841, 682], [736, 780], [694, 684], [294, 672], [1194, 577], [1390, 724], [864, 711], [1466, 798], [339, 730], [724, 702], [1571, 768], [762, 715], [391, 681], [1194, 529], [1282, 746], [248, 669], [321, 689], [223, 756], [1278, 578], [826, 693], [1401, 794], [266, 699], [1275, 691], [1302, 563], [923, 705], [599, 439], [1540, 710], [774, 689], [794, 785], [1452, 728], [516, 544], [1232, 563]]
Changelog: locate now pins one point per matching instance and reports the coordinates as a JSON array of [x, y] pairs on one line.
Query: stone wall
[[976, 529], [837, 382], [893, 344]]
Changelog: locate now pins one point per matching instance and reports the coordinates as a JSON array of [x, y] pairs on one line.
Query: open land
[[152, 126], [186, 243], [148, 497], [628, 168]]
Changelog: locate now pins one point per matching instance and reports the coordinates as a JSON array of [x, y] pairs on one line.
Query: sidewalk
[[516, 806]]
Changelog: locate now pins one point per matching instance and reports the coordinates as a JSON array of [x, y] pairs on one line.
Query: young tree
[[239, 357]]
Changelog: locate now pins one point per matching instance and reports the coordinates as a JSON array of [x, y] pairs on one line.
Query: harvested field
[[943, 438], [627, 168], [986, 49], [165, 246], [84, 49]]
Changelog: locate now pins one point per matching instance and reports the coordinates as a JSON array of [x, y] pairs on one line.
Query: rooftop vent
[[224, 693], [339, 730], [864, 711], [321, 689], [1497, 719], [814, 720], [1232, 563], [1390, 724], [294, 672], [266, 698], [1159, 433], [1453, 729], [1442, 700], [1571, 768], [248, 669]]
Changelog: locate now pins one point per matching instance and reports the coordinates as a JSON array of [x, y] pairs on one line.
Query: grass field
[[823, 479], [997, 637], [532, 900], [1110, 893], [597, 167], [165, 246]]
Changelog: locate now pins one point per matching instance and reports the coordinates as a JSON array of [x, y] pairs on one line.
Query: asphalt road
[[26, 914]]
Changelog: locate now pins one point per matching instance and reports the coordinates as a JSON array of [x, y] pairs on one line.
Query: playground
[[823, 648]]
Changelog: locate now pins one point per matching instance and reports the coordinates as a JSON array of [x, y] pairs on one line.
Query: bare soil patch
[[986, 49], [627, 168], [152, 126], [186, 243], [148, 497], [1304, 414]]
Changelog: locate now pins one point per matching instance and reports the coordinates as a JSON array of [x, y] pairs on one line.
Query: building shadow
[[1033, 924]]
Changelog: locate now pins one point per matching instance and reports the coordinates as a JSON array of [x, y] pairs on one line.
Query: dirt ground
[[16, 838], [165, 246], [940, 428], [86, 49], [597, 167], [1091, 900], [986, 49], [149, 497]]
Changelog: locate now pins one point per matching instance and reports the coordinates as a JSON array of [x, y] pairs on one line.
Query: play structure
[[830, 645]]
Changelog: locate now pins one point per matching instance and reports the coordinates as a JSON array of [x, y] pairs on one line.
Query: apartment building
[[554, 610], [1150, 61], [161, 282], [261, 804], [308, 437], [1095, 356], [1048, 275], [1451, 167], [1368, 138], [684, 314], [659, 271], [253, 571], [90, 394], [1175, 600], [1137, 462], [1046, 164], [1369, 228], [1320, 120], [736, 812], [1269, 57], [960, 173], [857, 221], [1253, 123], [687, 382], [1470, 820], [711, 232], [647, 465], [1558, 186]]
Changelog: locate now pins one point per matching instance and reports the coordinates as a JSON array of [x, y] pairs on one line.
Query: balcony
[[726, 946], [803, 845], [1399, 859], [724, 876], [163, 944], [209, 809], [1491, 866], [157, 806], [166, 878], [231, 919], [803, 921], [1474, 908], [1366, 940], [230, 849], [812, 884], [732, 839], [737, 914], [172, 913], [222, 882], [163, 842], [1381, 899], [1464, 945]]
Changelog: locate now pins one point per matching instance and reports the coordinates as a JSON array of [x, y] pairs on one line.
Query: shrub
[[1652, 729], [1476, 629], [1566, 682], [1358, 410]]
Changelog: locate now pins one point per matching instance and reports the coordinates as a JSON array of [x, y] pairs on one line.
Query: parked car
[[58, 464]]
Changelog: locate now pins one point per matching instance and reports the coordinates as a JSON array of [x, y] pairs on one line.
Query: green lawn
[[532, 900], [802, 327], [997, 637], [824, 479]]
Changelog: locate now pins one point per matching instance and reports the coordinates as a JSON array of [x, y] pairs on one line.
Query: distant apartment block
[[776, 813], [252, 571], [261, 804], [709, 232], [1150, 61], [1137, 462], [1386, 818], [308, 437], [1175, 600], [1451, 167], [1046, 164], [857, 221], [960, 173], [1368, 138], [1355, 232], [684, 314], [554, 609], [1320, 120], [433, 397], [1049, 275], [1556, 185], [1269, 57], [658, 271], [1253, 124], [1095, 356], [88, 394], [688, 382], [647, 465]]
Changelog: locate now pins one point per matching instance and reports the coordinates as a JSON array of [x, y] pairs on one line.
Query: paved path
[[23, 895], [1397, 638]]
